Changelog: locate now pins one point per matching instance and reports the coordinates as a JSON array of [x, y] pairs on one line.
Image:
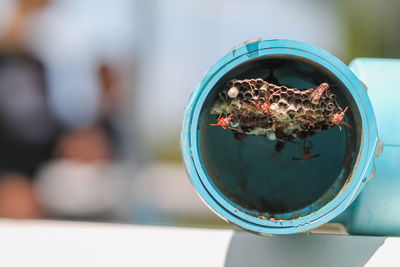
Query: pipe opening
[[259, 176]]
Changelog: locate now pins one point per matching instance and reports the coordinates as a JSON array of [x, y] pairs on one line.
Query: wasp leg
[[239, 136], [308, 145], [279, 146], [314, 157], [294, 158]]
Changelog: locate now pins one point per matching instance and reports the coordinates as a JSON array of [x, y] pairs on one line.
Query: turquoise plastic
[[376, 211], [214, 160]]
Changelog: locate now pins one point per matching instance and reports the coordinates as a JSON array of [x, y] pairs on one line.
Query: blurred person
[[27, 129], [79, 182], [86, 145], [111, 97], [76, 184], [17, 199], [61, 111], [14, 33]]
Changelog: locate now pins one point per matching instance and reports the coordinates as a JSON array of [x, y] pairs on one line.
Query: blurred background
[[92, 94]]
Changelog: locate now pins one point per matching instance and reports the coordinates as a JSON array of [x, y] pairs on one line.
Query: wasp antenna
[[348, 125]]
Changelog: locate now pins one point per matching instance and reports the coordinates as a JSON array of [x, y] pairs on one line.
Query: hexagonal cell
[[283, 95], [237, 83], [275, 98], [330, 107], [300, 110], [307, 104], [282, 104], [275, 89], [290, 99], [271, 86], [248, 95], [297, 94]]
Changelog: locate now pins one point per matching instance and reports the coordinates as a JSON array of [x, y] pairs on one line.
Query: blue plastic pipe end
[[251, 185]]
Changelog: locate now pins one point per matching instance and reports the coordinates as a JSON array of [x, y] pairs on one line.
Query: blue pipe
[[263, 191], [376, 211]]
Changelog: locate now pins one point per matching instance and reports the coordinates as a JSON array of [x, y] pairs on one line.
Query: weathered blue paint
[[314, 214]]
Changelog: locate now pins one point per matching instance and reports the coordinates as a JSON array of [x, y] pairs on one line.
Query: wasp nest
[[256, 107]]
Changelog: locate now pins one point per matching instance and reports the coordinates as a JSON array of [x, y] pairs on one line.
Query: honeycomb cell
[[290, 99], [275, 98], [283, 89], [307, 104], [248, 95], [282, 105]]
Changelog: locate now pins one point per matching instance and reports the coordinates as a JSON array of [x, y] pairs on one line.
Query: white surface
[[37, 243], [52, 243], [387, 254]]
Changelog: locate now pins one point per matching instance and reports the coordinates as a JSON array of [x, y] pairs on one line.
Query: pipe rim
[[190, 137]]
